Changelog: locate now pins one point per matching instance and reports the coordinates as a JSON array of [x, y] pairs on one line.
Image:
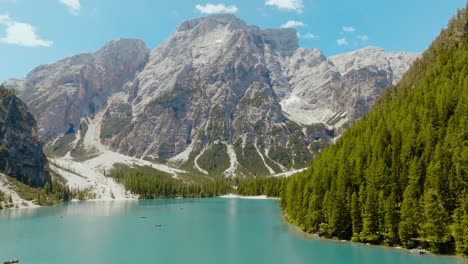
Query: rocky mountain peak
[[216, 86], [283, 40], [394, 63], [211, 22], [122, 49], [227, 30]]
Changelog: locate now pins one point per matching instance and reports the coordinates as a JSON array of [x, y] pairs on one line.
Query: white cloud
[[310, 36], [216, 9], [349, 29], [74, 6], [363, 38], [292, 24], [22, 34], [291, 5], [342, 42]]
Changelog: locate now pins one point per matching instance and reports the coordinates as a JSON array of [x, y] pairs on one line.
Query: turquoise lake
[[195, 231]]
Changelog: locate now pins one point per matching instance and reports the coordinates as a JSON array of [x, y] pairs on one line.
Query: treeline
[[399, 176], [57, 192], [150, 183], [5, 200], [50, 194], [269, 186]]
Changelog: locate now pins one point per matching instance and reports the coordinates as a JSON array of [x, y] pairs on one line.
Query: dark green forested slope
[[399, 176], [150, 183]]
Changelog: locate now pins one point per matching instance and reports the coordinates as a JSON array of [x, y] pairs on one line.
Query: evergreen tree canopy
[[399, 176]]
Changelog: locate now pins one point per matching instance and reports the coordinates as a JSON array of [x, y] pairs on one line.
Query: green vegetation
[[5, 200], [150, 183], [78, 151], [269, 186], [399, 176], [215, 159], [4, 92], [335, 119], [189, 164], [249, 159], [269, 162], [301, 154], [75, 193], [113, 125], [281, 155], [317, 145], [4, 152], [257, 100], [82, 153], [117, 116], [61, 146], [48, 195]]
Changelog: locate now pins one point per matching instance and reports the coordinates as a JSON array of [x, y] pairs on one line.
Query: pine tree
[[404, 165], [356, 216]]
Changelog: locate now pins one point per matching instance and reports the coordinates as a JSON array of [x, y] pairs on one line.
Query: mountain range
[[218, 97]]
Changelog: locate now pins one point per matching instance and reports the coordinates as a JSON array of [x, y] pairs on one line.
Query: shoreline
[[126, 199], [296, 230], [301, 233], [237, 196]]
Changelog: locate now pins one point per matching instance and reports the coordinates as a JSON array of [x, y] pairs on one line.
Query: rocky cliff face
[[216, 90], [60, 94], [21, 153]]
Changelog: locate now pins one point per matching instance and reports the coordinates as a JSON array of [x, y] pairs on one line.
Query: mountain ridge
[[214, 81]]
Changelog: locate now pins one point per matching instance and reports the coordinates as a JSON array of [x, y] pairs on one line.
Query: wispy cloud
[[74, 6], [363, 38], [291, 5], [309, 35], [292, 24], [21, 34], [216, 9], [342, 42], [349, 29]]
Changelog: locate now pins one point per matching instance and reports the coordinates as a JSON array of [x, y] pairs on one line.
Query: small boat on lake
[[158, 225], [11, 261]]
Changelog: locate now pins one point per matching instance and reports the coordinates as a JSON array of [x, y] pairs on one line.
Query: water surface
[[192, 231]]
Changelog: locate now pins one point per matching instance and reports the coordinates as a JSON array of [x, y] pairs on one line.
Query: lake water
[[192, 231]]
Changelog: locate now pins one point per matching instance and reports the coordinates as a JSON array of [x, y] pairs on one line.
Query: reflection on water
[[95, 208], [192, 231]]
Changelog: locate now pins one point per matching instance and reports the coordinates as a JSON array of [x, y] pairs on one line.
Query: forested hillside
[[399, 176]]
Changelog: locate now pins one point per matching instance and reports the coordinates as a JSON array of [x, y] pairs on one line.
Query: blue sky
[[34, 32]]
